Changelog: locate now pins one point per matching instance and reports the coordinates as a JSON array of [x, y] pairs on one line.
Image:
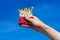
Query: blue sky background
[[46, 10]]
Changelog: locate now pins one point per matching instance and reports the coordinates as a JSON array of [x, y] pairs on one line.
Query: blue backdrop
[[46, 10]]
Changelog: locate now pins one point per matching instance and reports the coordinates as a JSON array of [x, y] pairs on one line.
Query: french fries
[[26, 11]]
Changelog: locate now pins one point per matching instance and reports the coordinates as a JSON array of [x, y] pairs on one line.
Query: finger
[[29, 19], [27, 26]]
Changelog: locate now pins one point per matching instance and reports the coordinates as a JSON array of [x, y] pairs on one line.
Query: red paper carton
[[24, 12]]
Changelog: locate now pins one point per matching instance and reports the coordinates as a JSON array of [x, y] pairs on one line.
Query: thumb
[[28, 18]]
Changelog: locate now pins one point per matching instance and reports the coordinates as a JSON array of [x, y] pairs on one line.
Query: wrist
[[42, 24]]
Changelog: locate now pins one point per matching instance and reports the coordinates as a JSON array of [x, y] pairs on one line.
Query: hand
[[35, 22]]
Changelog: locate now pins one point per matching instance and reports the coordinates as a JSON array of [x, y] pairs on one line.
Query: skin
[[39, 26]]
